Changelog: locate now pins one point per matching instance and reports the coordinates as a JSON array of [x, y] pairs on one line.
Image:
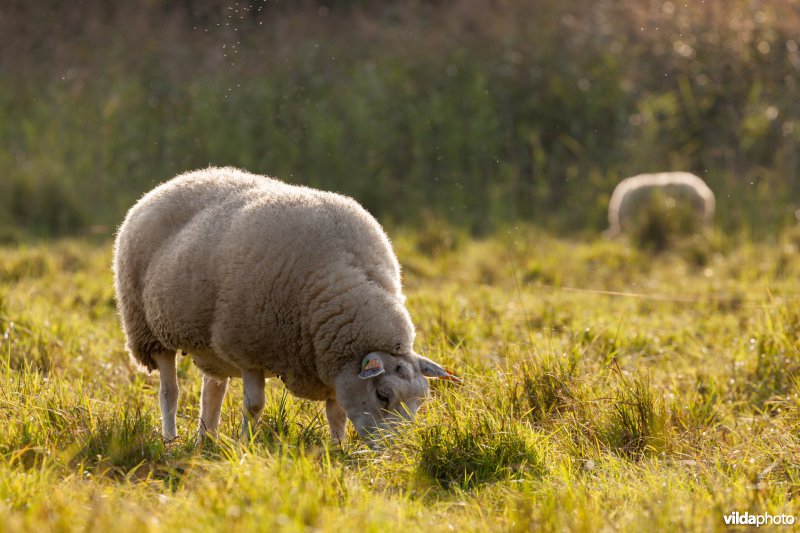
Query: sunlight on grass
[[604, 386]]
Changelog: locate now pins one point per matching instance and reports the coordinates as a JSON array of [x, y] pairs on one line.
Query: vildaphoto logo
[[765, 519]]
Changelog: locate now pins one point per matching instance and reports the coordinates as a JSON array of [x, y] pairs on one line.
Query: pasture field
[[605, 388]]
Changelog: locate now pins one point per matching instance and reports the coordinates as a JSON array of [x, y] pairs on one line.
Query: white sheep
[[257, 278], [678, 188]]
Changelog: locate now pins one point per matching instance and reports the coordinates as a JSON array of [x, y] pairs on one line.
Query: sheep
[[679, 188], [256, 278]]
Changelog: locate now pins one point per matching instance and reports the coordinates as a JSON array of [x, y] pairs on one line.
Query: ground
[[605, 388]]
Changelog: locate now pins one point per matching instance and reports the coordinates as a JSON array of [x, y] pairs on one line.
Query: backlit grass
[[605, 387]]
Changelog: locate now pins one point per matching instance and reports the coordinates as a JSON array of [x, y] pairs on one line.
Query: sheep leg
[[211, 398], [336, 421], [168, 394], [253, 384]]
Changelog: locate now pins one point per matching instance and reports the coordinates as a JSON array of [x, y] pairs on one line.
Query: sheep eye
[[382, 396]]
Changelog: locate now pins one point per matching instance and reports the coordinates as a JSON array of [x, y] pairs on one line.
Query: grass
[[605, 387]]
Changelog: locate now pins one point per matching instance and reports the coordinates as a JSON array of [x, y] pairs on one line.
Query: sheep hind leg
[[168, 394], [253, 385], [211, 397]]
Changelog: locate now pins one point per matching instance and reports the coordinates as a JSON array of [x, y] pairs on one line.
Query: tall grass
[[478, 112], [664, 402]]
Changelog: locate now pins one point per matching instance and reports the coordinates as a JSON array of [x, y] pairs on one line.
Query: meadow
[[606, 387]]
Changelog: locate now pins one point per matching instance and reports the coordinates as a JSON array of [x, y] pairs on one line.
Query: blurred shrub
[[661, 219], [482, 112]]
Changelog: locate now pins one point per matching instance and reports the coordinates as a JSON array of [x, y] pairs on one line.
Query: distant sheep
[[257, 278], [679, 188]]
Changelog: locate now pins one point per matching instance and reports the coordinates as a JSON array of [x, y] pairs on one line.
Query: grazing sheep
[[678, 188], [257, 278]]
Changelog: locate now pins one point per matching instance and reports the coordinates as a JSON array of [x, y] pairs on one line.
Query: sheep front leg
[[253, 385], [168, 394], [211, 397], [336, 421]]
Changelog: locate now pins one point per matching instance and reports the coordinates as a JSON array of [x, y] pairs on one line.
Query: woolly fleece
[[247, 272]]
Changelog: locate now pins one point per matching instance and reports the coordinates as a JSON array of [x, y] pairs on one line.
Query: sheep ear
[[371, 366], [430, 369]]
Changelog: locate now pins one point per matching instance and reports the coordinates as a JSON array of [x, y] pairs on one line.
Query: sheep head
[[385, 390]]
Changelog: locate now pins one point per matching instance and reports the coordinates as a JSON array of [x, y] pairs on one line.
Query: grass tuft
[[546, 388], [483, 449], [288, 421], [638, 421], [123, 441]]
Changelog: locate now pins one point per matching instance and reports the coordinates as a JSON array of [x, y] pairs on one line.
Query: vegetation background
[[609, 385], [481, 112]]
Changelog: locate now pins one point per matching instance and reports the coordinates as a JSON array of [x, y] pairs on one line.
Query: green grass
[[509, 111], [605, 387]]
